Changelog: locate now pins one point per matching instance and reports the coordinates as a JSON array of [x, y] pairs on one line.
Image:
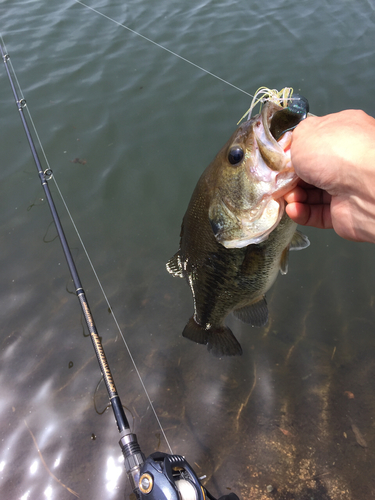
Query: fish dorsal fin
[[174, 266], [299, 242], [255, 314]]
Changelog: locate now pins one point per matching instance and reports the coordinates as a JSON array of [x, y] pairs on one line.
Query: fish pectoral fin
[[284, 261], [255, 314], [174, 266], [299, 241], [220, 340]]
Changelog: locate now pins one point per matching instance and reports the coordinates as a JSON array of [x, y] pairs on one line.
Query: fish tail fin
[[220, 340], [195, 332]]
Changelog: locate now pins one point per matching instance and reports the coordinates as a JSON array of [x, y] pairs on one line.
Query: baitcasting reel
[[162, 476], [169, 476]]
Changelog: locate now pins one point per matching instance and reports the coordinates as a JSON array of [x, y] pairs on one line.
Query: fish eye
[[235, 155]]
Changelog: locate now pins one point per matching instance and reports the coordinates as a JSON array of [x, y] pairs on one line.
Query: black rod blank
[[120, 417]]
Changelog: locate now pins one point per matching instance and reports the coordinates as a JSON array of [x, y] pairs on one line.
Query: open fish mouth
[[273, 130], [274, 138]]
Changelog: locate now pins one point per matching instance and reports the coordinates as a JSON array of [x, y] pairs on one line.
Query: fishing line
[[164, 48], [25, 107], [110, 308]]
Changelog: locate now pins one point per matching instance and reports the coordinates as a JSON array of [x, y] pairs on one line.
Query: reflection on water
[[293, 417]]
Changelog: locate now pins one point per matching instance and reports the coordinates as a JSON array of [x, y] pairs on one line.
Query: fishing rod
[[160, 476]]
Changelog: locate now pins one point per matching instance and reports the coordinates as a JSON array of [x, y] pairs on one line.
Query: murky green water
[[296, 411]]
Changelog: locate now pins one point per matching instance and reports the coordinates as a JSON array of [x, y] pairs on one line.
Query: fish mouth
[[273, 135], [289, 116]]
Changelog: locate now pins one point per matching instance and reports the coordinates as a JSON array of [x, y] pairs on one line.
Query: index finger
[[306, 193]]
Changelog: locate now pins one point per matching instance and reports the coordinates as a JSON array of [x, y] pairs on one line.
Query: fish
[[235, 235]]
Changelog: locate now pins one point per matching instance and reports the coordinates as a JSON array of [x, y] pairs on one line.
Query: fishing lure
[[264, 94]]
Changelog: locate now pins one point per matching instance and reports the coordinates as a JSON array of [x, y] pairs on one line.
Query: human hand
[[334, 156]]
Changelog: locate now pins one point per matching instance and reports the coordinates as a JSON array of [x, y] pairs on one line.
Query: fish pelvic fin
[[174, 266], [254, 314], [220, 340], [299, 242]]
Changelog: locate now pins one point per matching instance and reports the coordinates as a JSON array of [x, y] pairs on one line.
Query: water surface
[[293, 410]]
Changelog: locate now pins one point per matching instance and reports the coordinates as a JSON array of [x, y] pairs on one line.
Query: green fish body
[[235, 235]]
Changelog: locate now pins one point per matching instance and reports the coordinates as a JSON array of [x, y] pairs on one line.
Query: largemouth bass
[[235, 235]]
